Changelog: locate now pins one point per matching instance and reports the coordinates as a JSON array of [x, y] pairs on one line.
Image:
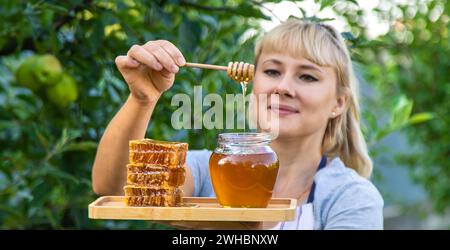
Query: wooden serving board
[[193, 209]]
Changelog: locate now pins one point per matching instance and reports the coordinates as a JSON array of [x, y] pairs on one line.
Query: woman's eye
[[271, 72], [308, 78]]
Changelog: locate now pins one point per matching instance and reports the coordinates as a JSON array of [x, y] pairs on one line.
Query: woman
[[323, 156]]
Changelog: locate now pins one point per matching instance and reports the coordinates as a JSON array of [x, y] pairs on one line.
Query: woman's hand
[[150, 69]]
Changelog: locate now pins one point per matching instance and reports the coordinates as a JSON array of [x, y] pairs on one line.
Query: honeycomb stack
[[155, 173]]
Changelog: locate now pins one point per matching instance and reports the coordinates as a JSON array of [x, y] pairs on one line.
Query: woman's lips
[[283, 109]]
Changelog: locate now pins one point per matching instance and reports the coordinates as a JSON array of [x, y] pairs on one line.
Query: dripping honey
[[244, 92]]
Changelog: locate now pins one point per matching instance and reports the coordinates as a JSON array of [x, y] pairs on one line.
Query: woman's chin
[[280, 132], [282, 127], [287, 133]]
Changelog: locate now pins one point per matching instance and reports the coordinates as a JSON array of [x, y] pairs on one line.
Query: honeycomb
[[155, 173]]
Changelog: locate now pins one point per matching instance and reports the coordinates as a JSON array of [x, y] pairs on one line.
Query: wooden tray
[[194, 209]]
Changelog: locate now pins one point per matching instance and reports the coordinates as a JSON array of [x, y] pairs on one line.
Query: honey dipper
[[238, 71]]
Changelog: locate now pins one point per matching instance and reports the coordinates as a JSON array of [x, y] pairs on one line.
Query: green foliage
[[399, 118], [47, 151], [412, 60]]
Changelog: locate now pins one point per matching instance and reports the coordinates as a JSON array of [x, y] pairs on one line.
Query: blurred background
[[59, 88]]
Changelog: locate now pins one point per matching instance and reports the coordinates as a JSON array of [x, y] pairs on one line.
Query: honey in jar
[[243, 170]]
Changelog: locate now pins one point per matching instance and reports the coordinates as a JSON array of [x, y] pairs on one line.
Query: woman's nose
[[284, 87]]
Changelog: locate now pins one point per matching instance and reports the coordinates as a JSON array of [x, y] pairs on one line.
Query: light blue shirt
[[342, 198]]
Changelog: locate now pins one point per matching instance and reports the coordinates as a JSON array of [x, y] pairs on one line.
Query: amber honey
[[244, 180]]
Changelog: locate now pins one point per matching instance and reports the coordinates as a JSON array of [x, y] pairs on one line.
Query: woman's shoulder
[[336, 177], [341, 192]]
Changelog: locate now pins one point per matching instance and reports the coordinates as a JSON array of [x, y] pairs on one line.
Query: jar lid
[[244, 138]]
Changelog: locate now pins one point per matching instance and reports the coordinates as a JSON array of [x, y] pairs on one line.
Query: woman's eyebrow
[[302, 66], [310, 67], [275, 61]]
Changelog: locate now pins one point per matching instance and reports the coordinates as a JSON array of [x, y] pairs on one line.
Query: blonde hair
[[323, 45]]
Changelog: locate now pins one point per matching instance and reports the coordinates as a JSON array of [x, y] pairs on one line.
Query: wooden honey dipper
[[238, 71]]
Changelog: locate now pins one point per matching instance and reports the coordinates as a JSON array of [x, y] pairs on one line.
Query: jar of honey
[[243, 170]]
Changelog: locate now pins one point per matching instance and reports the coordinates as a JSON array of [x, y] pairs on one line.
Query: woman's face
[[306, 91]]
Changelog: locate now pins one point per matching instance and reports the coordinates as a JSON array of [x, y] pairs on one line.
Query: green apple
[[64, 92], [48, 70], [25, 74]]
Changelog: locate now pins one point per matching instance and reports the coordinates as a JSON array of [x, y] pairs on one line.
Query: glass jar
[[243, 169]]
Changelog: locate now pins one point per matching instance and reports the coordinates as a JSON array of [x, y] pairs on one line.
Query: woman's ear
[[341, 103]]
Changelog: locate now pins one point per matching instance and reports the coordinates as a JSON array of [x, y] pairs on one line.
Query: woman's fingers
[[173, 51], [154, 54], [143, 56], [162, 56], [126, 62]]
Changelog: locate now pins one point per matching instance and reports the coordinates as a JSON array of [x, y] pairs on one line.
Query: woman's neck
[[299, 158]]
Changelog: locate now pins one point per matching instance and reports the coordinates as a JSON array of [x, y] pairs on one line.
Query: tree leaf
[[348, 36], [326, 3], [420, 117], [401, 112], [248, 10]]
